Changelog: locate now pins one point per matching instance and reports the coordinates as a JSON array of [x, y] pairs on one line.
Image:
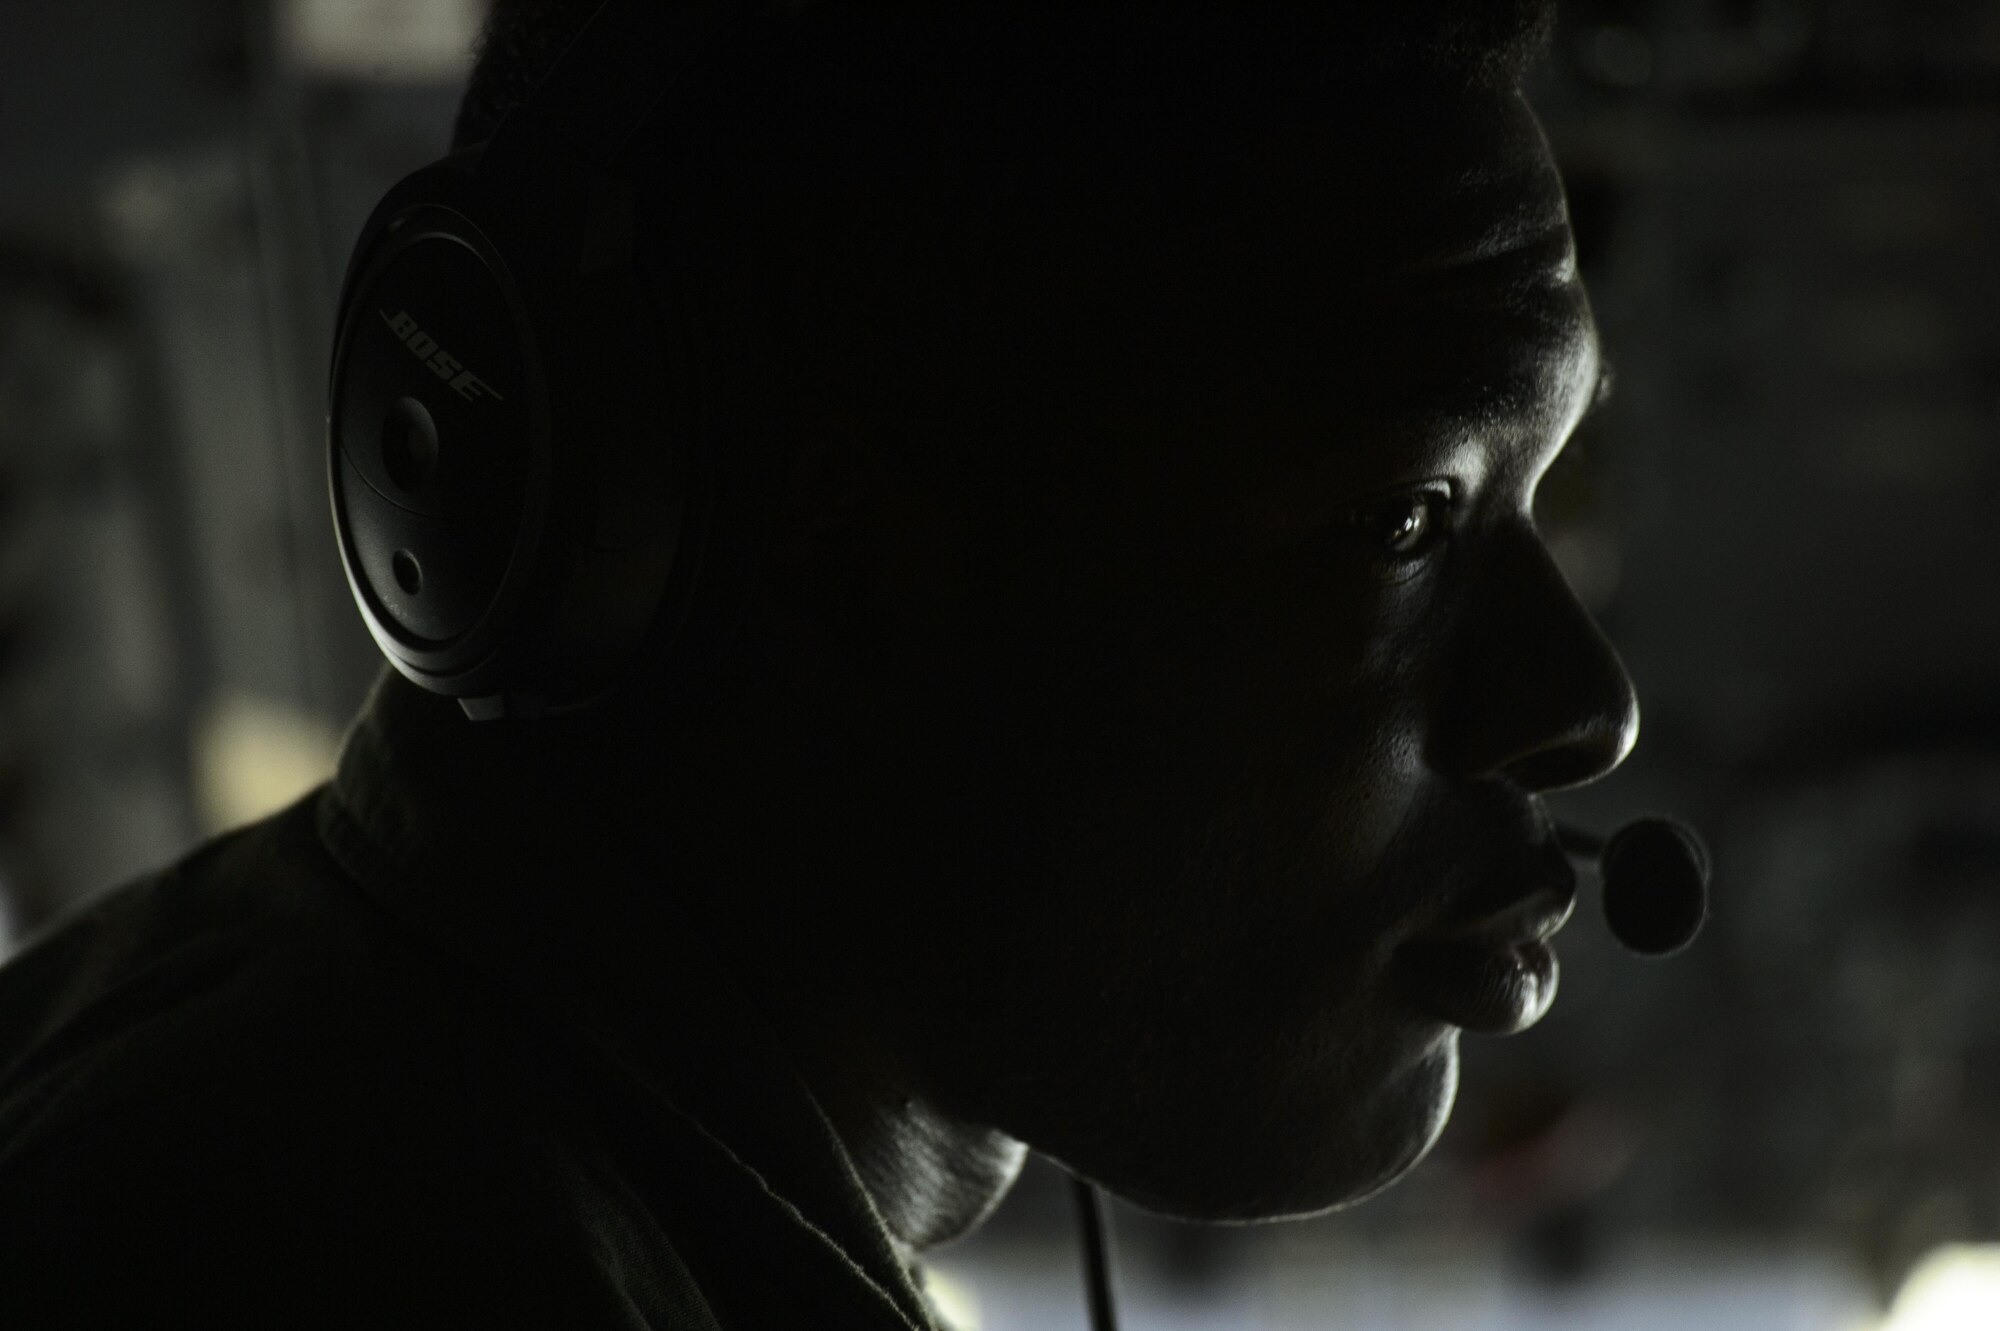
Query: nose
[[1535, 692]]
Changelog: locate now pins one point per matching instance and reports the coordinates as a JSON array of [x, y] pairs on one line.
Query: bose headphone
[[519, 467]]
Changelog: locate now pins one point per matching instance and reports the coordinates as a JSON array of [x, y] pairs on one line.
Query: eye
[[1403, 527]]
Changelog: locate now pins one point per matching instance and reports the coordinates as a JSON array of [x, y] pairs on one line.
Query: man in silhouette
[[1133, 670]]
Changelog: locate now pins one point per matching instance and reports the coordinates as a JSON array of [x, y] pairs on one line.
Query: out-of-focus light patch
[[955, 1300], [406, 41], [1620, 55], [1912, 447], [1955, 1288], [253, 757]]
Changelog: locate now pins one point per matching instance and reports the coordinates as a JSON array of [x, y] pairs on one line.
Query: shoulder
[[236, 1072], [242, 982]]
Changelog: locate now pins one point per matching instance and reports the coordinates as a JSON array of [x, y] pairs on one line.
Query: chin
[[1298, 1154]]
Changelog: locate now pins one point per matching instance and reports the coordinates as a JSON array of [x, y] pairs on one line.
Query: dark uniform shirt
[[398, 1056]]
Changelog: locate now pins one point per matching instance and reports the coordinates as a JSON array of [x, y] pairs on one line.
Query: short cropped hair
[[891, 264], [1467, 43]]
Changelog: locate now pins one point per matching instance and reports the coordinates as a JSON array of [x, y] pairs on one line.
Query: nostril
[[1557, 770], [1580, 757]]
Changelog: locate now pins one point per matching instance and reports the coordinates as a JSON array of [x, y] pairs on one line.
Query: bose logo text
[[441, 362]]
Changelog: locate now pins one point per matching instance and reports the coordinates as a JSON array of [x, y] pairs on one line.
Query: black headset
[[521, 473]]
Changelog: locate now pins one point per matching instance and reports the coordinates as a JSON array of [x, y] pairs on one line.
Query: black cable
[[1094, 1227]]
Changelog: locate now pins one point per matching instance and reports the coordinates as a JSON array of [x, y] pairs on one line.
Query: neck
[[932, 1177]]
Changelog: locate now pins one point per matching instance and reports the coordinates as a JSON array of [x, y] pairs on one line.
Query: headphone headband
[[614, 74]]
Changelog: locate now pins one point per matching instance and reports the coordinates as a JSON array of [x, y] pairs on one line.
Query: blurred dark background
[[1787, 212]]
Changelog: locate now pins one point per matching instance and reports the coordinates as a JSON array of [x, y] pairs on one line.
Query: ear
[[834, 495]]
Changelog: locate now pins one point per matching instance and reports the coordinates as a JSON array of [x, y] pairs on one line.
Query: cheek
[[1277, 688], [1215, 761], [1238, 732]]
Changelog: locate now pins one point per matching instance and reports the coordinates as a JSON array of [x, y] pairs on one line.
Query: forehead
[[1330, 296], [1230, 282]]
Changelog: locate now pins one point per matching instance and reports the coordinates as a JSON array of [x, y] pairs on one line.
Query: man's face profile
[[1131, 811]]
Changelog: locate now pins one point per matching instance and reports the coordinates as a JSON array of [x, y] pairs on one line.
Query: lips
[[1496, 973]]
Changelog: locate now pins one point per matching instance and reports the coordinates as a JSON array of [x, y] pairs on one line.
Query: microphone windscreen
[[1655, 886]]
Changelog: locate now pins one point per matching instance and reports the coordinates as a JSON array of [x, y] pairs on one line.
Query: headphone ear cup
[[507, 494]]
